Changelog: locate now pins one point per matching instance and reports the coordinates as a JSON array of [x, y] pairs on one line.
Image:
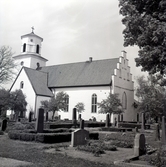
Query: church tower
[[30, 55]]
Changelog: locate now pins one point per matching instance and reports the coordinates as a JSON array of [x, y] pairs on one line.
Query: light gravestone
[[40, 121], [80, 136], [139, 144], [107, 123], [163, 137], [4, 125]]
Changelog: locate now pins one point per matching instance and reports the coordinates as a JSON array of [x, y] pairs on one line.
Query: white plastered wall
[[84, 94], [122, 82], [27, 90]]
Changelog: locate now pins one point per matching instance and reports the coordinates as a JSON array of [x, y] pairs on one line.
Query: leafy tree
[[111, 105], [56, 103], [80, 107], [7, 64], [151, 96], [18, 103], [145, 22], [4, 101]]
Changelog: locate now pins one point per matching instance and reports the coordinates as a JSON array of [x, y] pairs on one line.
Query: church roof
[[38, 80], [32, 34], [90, 73]]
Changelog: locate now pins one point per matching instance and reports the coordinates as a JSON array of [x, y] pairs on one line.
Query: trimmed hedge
[[132, 125], [40, 137], [56, 137], [116, 129]]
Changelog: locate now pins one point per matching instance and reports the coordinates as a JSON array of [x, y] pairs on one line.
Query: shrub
[[93, 136]]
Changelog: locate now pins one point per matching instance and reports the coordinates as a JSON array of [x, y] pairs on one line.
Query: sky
[[73, 30]]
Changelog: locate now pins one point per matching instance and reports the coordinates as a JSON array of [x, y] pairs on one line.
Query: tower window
[[37, 49], [21, 85], [94, 103], [24, 47], [31, 40]]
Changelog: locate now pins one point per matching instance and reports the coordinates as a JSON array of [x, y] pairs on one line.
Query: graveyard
[[69, 142]]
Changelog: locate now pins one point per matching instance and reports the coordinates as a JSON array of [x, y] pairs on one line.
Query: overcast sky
[[73, 30]]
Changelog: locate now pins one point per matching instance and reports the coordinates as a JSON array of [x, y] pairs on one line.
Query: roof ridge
[[80, 62]]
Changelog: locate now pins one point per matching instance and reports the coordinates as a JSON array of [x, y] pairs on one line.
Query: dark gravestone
[[143, 122], [46, 116], [40, 121], [139, 144], [163, 137], [82, 124], [107, 123], [30, 116], [115, 122], [157, 132], [79, 137], [4, 125], [74, 118]]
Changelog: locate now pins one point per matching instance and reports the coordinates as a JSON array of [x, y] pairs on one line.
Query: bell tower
[[30, 55]]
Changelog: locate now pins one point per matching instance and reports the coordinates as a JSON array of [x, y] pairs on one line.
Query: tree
[[57, 103], [4, 101], [111, 105], [80, 107], [7, 64], [17, 102], [145, 22], [151, 96]]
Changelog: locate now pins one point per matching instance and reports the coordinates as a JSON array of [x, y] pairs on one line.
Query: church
[[88, 82]]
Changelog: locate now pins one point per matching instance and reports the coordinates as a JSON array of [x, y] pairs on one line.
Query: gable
[[95, 73], [39, 82]]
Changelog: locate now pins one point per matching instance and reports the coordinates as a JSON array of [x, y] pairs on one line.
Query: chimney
[[90, 59]]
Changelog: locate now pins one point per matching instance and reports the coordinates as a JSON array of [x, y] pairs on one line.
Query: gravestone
[[136, 129], [79, 137], [40, 121], [157, 132], [79, 117], [107, 123], [82, 124], [3, 125], [74, 118], [115, 122], [163, 136], [139, 144], [30, 116], [143, 122], [46, 116]]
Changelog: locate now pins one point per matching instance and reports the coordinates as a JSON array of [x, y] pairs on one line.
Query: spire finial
[[32, 29]]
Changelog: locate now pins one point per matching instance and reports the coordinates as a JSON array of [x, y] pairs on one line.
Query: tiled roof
[[38, 80], [93, 73]]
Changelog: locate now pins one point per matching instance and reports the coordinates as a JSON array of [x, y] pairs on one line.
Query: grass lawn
[[34, 153]]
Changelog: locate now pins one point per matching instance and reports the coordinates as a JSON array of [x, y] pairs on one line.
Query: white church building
[[88, 82]]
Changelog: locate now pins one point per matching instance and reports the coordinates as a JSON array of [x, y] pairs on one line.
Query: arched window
[[124, 101], [22, 63], [67, 103], [21, 85], [37, 49], [94, 103], [24, 47]]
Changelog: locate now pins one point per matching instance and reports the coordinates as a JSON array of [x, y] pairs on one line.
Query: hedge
[[31, 135]]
